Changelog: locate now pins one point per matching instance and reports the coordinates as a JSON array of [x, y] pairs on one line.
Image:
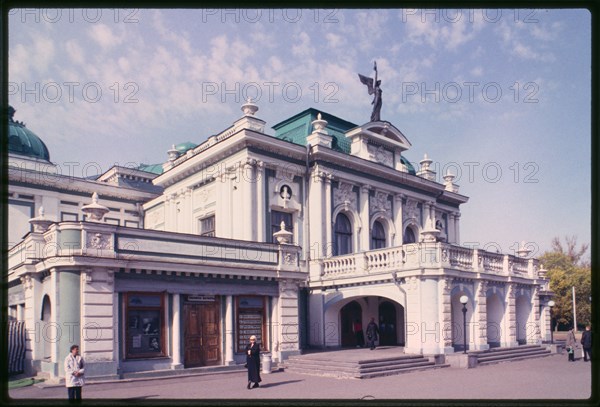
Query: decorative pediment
[[379, 142]]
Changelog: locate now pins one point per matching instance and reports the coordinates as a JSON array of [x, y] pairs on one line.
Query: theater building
[[290, 236]]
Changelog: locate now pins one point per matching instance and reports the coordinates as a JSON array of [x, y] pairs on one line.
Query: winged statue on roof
[[374, 88]]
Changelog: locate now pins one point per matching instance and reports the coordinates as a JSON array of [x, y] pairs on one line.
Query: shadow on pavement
[[264, 386]]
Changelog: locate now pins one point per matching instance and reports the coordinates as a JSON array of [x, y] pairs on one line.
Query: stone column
[[186, 213], [176, 332], [288, 319], [427, 215], [229, 330], [532, 331], [260, 208], [397, 241], [479, 332], [327, 214], [318, 222], [247, 181], [457, 228], [430, 326], [509, 334], [414, 343], [34, 344], [445, 287], [451, 231], [364, 237]]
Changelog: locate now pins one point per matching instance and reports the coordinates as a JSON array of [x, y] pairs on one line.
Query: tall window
[[144, 329], [276, 219], [207, 226], [343, 235], [378, 236], [409, 236]]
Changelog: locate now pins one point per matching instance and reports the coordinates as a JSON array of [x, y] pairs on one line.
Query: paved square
[[551, 377]]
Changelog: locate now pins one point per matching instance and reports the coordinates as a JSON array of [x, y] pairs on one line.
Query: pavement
[[550, 378]]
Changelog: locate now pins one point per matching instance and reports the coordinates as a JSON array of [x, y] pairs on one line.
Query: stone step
[[507, 355], [365, 368], [423, 362], [400, 371], [405, 368], [537, 355], [509, 349]]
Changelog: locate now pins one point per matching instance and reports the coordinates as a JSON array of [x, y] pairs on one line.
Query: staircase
[[359, 366], [498, 355]]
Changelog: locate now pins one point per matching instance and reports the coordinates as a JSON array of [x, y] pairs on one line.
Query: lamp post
[[551, 304], [463, 300]]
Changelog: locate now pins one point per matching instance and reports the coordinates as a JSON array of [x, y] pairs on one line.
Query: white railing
[[425, 255], [339, 265], [385, 259], [491, 262]]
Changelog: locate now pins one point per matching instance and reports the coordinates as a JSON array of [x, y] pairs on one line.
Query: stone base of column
[[177, 366], [229, 363], [481, 346], [462, 360]]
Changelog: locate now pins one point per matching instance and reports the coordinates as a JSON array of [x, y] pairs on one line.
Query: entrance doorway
[[387, 324], [201, 336], [348, 314]]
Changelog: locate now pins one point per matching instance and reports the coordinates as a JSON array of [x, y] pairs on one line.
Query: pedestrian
[[372, 333], [253, 362], [358, 333], [586, 342], [74, 374], [570, 344]]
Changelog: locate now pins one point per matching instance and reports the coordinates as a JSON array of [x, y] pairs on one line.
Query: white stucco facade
[[371, 237]]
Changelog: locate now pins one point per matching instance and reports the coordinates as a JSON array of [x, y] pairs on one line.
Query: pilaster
[[365, 233]]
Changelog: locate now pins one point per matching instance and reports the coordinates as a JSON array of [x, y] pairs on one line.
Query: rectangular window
[[68, 217], [276, 219], [207, 226], [250, 312], [144, 325], [112, 221]]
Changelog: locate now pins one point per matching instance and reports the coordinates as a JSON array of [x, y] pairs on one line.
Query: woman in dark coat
[[253, 362]]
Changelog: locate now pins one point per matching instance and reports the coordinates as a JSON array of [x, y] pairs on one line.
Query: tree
[[567, 269]]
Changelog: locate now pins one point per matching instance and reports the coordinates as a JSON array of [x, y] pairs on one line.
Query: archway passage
[[348, 314], [387, 324], [46, 318], [495, 316]]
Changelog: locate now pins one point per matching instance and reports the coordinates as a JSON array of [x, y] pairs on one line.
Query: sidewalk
[[550, 377]]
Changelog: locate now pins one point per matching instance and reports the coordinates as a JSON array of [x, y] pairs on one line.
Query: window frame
[[127, 326]]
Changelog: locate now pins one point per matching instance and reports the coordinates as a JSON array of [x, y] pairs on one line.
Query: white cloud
[[75, 52], [304, 48], [104, 36]]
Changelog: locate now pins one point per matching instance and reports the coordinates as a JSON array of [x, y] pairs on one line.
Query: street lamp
[[463, 300], [551, 304]]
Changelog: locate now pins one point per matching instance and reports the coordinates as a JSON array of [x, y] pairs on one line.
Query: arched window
[[343, 235], [377, 236], [409, 236]]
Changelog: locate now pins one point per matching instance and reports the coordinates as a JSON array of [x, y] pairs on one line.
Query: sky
[[499, 97]]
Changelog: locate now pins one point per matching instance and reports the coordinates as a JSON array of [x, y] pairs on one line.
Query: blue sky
[[499, 97]]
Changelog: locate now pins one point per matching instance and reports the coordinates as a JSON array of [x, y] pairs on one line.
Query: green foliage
[[566, 269]]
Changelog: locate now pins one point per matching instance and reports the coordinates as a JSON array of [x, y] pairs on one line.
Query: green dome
[[183, 147], [23, 141]]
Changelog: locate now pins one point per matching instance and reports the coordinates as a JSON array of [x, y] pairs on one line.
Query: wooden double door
[[201, 334]]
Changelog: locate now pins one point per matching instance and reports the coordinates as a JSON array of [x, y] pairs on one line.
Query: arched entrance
[[523, 310], [46, 317], [387, 324], [495, 314], [348, 314]]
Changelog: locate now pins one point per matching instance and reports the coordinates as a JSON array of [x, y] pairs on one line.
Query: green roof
[[153, 168], [185, 146], [297, 128], [23, 141]]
